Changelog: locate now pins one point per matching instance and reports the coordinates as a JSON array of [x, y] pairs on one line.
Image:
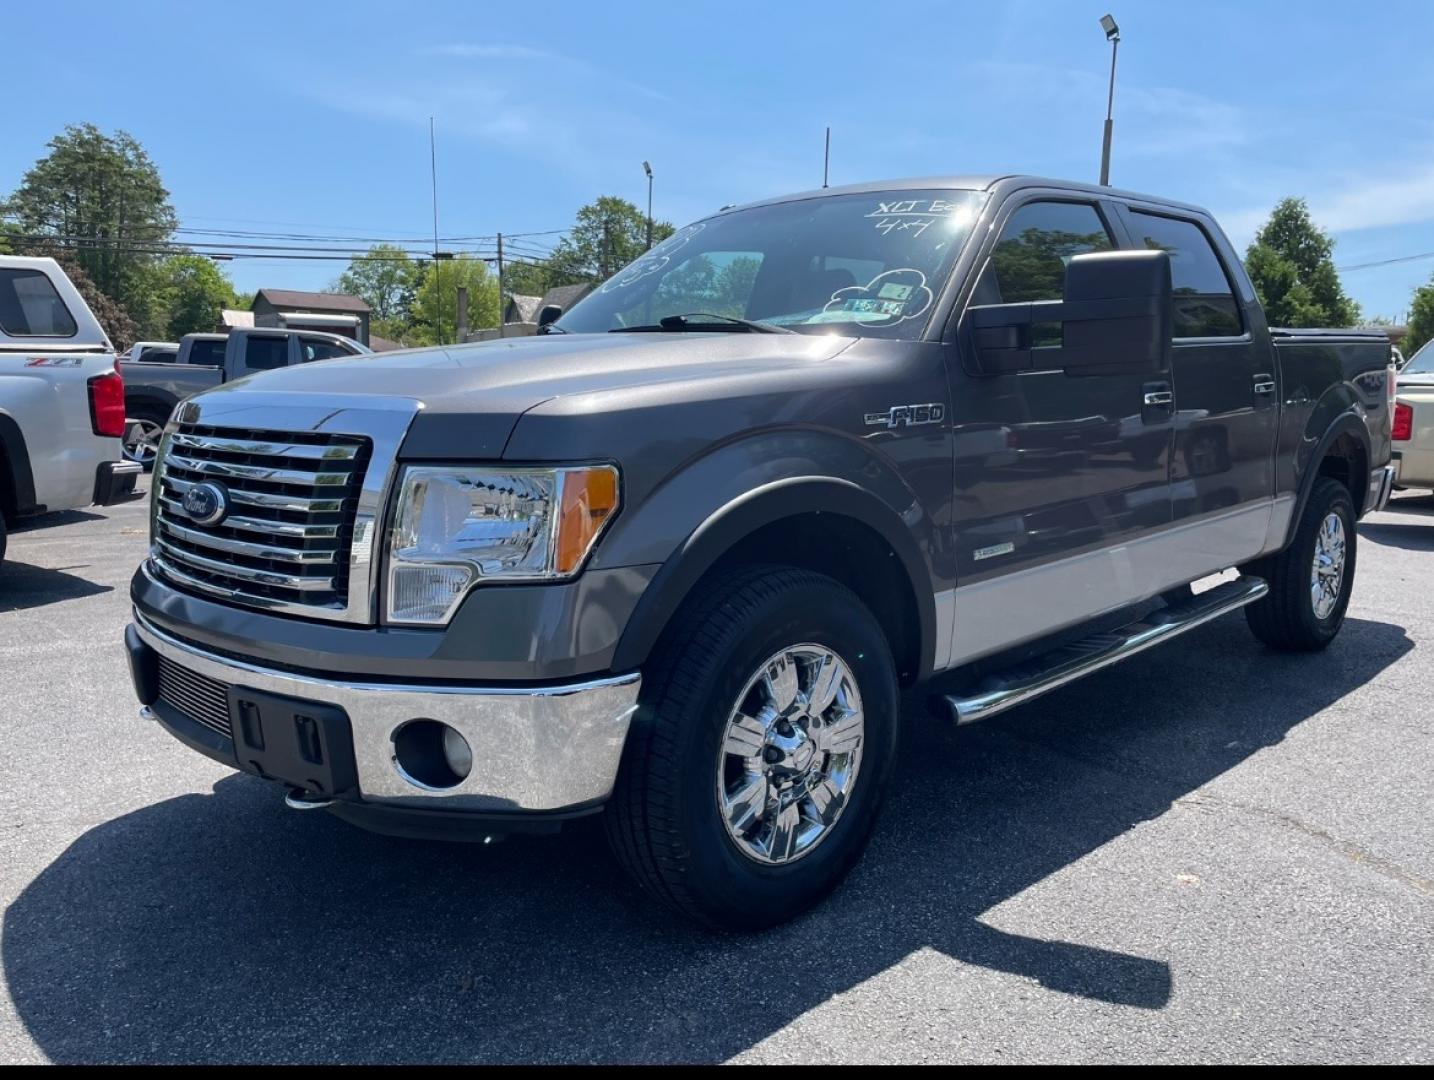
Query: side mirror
[[551, 313], [1115, 316]]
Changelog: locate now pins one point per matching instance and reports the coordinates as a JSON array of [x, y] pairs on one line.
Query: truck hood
[[484, 388]]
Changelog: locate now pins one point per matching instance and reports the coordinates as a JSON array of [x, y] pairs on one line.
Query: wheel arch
[[17, 480], [1343, 452], [823, 523]]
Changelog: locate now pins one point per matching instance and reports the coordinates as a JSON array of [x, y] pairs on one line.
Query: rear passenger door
[[1221, 472]]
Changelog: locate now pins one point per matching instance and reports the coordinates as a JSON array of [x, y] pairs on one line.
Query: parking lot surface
[[1209, 853]]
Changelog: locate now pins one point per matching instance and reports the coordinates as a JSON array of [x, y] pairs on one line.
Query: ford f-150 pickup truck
[[155, 385], [61, 400], [674, 559]]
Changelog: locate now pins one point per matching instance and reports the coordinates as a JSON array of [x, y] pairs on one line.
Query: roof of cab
[[989, 182]]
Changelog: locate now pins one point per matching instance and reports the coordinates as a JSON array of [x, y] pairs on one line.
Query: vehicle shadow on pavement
[[223, 927], [23, 586], [1409, 535]]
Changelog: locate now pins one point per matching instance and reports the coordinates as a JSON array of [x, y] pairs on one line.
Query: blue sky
[[313, 117]]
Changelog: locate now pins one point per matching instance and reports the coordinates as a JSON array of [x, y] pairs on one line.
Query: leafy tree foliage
[[193, 292], [99, 197], [1421, 319], [1291, 263], [387, 279], [608, 234], [435, 308]]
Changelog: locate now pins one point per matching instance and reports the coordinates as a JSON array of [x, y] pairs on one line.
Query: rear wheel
[[762, 744], [141, 441], [1310, 581], [3, 534]]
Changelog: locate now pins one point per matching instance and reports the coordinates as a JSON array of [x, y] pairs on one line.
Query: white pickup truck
[[62, 408]]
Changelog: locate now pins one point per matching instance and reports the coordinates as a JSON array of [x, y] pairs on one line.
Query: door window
[[319, 349], [262, 353], [1205, 304], [1029, 262]]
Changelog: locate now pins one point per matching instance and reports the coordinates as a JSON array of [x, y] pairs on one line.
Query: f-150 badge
[[907, 415]]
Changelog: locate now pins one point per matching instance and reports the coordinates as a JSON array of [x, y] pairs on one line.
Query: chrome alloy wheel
[[790, 754], [142, 442], [1327, 570]]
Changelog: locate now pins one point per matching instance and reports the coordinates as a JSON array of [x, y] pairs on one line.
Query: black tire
[[4, 533], [151, 415], [1285, 619], [663, 821]]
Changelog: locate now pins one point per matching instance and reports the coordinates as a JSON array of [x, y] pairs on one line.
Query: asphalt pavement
[[1210, 853]]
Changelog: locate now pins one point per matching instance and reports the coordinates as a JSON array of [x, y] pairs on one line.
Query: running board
[[1027, 681]]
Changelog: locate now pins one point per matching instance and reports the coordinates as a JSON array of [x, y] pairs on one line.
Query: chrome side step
[[1027, 681]]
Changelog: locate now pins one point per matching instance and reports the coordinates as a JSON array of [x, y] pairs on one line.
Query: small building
[[333, 313], [520, 308], [565, 296]]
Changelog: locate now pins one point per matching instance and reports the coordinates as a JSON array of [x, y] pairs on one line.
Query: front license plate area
[[306, 744]]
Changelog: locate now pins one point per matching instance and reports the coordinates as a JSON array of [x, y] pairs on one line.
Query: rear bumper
[[1381, 484], [115, 480], [540, 752]]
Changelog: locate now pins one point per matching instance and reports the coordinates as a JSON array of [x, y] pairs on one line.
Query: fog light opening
[[431, 755]]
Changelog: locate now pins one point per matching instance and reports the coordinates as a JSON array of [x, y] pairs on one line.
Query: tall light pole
[[648, 169], [1112, 35]]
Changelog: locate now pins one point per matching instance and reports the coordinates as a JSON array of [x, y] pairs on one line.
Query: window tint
[[1205, 304], [30, 307], [208, 353], [157, 356], [318, 349], [262, 353], [1029, 262]]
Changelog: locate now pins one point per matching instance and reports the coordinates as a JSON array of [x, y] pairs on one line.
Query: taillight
[[107, 404], [1403, 422]]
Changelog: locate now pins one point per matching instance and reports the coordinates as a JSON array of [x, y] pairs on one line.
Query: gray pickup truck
[[156, 383], [675, 559]]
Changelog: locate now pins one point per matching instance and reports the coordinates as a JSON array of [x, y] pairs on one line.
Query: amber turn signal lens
[[589, 499]]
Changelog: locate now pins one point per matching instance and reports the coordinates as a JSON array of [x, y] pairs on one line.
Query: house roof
[[313, 301], [522, 308], [565, 296], [383, 344]]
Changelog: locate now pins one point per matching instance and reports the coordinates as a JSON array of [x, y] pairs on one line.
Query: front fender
[[699, 513]]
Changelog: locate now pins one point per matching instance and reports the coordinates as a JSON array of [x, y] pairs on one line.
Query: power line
[[1386, 262]]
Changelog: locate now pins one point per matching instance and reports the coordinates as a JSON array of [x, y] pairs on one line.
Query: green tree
[[1421, 319], [435, 309], [1291, 263], [387, 279], [99, 197], [608, 234], [194, 293]]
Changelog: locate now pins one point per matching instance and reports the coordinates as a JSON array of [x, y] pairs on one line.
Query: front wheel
[[762, 744], [1310, 581]]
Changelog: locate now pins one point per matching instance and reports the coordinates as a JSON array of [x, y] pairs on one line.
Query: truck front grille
[[284, 543], [202, 699]]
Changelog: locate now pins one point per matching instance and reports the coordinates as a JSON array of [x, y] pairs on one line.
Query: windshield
[[867, 265], [1422, 362]]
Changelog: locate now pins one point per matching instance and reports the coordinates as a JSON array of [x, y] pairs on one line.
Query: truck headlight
[[456, 526]]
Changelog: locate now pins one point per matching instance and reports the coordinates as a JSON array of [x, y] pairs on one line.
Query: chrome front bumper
[[540, 749]]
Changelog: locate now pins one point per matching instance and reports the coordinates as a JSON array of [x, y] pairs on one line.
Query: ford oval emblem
[[206, 504]]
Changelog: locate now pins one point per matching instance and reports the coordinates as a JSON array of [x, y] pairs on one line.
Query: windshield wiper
[[702, 321]]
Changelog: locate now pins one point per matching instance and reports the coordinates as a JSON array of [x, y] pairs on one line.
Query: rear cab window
[[1204, 300], [30, 306], [311, 349], [207, 353]]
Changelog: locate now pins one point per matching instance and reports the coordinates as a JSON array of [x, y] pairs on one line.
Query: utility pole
[[462, 314], [1112, 34], [502, 306], [827, 158]]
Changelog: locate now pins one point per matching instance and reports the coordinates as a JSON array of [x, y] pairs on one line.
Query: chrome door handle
[[1264, 384], [1160, 397]]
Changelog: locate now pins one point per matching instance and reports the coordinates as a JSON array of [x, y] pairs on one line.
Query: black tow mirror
[[1115, 316], [551, 313]]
